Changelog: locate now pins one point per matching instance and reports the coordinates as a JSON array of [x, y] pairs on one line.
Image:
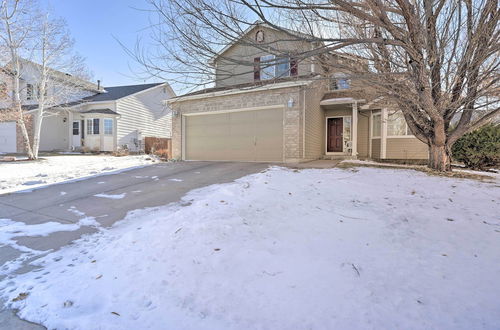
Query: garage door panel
[[269, 135], [235, 136], [242, 133], [8, 137], [205, 135]]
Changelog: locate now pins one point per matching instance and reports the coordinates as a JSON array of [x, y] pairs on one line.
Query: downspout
[[383, 134], [304, 124]]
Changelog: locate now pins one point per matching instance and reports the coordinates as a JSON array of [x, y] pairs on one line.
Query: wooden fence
[[158, 146]]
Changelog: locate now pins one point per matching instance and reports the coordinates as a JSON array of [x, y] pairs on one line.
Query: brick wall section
[[292, 118], [11, 116], [21, 148]]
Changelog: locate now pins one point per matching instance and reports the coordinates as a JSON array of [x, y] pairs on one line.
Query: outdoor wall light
[[291, 102], [65, 119]]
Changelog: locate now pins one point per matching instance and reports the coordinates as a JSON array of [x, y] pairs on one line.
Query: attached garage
[[8, 137], [252, 135]]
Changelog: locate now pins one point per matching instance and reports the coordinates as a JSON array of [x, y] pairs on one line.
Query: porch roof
[[341, 100], [102, 111]]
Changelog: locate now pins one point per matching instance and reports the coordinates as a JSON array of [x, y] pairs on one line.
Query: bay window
[[93, 126], [396, 125], [376, 125], [108, 126]]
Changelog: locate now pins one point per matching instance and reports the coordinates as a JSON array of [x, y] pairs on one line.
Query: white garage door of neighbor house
[[8, 137], [255, 135]]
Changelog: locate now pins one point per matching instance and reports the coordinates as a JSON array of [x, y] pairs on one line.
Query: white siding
[[54, 133], [143, 115], [8, 137], [57, 91]]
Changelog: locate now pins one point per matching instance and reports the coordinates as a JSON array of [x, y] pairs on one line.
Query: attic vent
[[259, 36]]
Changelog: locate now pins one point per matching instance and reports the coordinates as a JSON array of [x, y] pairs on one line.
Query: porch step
[[339, 157]]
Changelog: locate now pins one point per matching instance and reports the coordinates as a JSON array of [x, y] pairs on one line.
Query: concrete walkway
[[319, 164], [144, 187]]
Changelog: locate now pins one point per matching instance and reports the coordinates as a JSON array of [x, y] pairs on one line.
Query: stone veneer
[[292, 129], [21, 148]]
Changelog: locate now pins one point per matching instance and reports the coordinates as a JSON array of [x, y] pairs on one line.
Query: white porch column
[[354, 129], [69, 120], [383, 135]]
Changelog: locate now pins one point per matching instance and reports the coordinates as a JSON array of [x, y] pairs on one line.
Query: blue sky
[[94, 24]]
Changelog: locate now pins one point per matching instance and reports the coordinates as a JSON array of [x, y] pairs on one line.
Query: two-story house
[[84, 115], [284, 112]]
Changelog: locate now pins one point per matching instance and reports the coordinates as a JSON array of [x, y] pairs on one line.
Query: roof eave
[[241, 90]]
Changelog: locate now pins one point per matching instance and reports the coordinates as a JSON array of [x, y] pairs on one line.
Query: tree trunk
[[21, 122], [439, 158], [37, 127]]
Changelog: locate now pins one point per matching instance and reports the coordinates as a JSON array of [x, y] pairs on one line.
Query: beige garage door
[[235, 136]]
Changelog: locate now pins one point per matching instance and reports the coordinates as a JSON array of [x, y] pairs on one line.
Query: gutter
[[240, 91]]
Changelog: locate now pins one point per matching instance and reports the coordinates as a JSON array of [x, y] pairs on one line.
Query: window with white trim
[[267, 70], [39, 89], [76, 128], [93, 126], [108, 126], [271, 67], [283, 67], [376, 125], [29, 92], [339, 81], [396, 125]]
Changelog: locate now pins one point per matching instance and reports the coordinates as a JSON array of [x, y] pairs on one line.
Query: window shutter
[[294, 68], [256, 69]]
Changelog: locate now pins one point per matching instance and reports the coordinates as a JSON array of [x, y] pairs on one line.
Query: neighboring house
[[283, 113], [94, 118]]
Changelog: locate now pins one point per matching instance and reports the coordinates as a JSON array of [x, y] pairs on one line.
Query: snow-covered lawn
[[53, 169], [361, 248]]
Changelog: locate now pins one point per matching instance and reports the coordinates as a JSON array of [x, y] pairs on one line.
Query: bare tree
[[52, 58], [14, 33], [435, 60], [41, 48]]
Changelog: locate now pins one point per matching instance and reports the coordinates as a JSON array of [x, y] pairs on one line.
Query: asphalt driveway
[[139, 188]]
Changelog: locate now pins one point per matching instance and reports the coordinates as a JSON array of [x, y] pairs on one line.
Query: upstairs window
[[29, 92], [268, 67], [38, 90], [339, 83], [272, 67]]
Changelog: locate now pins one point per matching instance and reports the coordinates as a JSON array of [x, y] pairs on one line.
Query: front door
[[77, 140], [334, 133]]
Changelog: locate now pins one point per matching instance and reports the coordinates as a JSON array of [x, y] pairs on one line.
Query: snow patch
[[118, 196], [312, 249], [176, 180], [16, 176]]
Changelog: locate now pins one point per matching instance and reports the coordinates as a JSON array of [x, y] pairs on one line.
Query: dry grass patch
[[421, 168]]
